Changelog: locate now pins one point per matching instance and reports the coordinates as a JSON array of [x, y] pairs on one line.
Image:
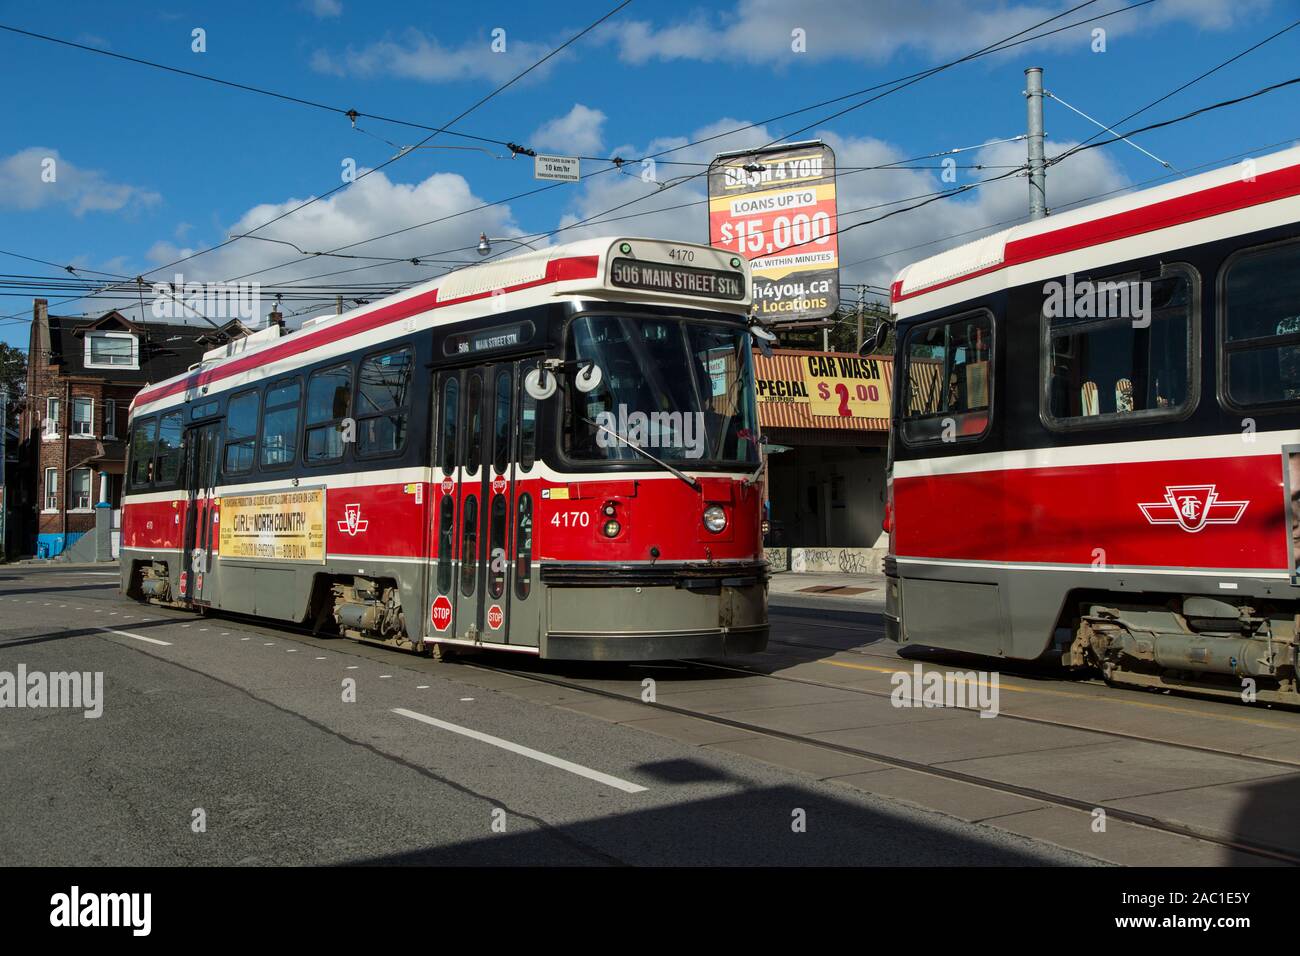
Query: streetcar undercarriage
[[1192, 642]]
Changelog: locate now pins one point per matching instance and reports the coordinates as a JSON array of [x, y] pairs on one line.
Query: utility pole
[[1037, 163], [862, 290]]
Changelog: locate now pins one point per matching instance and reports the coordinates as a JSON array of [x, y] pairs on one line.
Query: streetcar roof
[[1247, 196], [579, 269]]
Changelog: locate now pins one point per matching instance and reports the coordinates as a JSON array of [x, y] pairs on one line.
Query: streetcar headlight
[[611, 528], [715, 519]]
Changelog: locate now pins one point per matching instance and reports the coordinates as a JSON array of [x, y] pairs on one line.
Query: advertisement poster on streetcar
[[276, 526], [776, 207]]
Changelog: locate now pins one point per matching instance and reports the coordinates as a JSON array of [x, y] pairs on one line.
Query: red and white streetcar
[[556, 453], [1096, 444]]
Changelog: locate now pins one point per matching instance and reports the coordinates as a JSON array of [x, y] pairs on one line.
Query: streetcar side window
[[474, 426], [501, 433], [383, 400], [170, 453], [446, 517], [469, 546], [1119, 350], [948, 384], [241, 433], [524, 546], [280, 424], [527, 431], [450, 413], [143, 433], [497, 546], [1260, 326], [329, 403]]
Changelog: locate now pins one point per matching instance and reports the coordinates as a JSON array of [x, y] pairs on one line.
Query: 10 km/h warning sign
[[776, 207]]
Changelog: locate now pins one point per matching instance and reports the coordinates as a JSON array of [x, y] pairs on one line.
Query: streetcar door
[[444, 511], [200, 532], [476, 388], [499, 480]]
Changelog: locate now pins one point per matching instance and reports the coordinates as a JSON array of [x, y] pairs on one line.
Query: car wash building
[[826, 419]]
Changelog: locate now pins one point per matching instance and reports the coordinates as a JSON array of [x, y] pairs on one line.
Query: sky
[[150, 166]]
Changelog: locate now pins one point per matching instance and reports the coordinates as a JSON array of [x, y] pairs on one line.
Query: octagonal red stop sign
[[495, 617], [440, 613]]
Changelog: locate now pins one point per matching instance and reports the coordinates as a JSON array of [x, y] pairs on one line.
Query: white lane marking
[[320, 658], [574, 768], [421, 686], [95, 574], [138, 637]]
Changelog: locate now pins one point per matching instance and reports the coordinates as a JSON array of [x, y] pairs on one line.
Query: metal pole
[[1037, 163], [826, 338], [862, 290]]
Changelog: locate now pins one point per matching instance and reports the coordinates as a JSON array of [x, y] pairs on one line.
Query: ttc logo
[[352, 523], [1192, 507]]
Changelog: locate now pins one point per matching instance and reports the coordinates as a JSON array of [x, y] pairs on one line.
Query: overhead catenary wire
[[892, 85]]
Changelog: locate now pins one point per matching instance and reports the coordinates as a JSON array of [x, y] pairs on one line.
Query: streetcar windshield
[[681, 389]]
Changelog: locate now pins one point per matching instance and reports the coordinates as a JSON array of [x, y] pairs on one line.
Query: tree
[[13, 376]]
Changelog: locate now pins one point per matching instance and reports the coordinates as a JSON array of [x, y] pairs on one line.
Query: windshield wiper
[[641, 451]]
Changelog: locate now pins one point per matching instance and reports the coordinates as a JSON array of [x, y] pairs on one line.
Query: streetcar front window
[[681, 389]]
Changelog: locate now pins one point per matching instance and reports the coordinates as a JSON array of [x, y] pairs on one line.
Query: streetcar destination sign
[[682, 280]]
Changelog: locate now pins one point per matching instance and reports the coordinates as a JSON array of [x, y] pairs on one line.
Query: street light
[[485, 244]]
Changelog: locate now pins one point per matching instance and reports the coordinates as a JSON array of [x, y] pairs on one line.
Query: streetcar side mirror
[[877, 340], [588, 378], [540, 383], [763, 338]]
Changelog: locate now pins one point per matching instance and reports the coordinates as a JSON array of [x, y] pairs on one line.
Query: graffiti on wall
[[837, 560]]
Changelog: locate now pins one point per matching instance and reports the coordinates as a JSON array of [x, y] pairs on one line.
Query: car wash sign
[[776, 207]]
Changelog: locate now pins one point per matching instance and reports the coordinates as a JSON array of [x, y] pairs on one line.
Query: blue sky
[[152, 166]]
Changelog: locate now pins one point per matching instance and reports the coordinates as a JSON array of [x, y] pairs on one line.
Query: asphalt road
[[228, 743]]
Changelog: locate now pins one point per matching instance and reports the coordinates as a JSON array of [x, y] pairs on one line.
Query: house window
[[83, 417], [79, 484], [52, 412], [112, 350], [51, 489], [110, 418]]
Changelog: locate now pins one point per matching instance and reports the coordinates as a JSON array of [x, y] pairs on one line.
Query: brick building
[[81, 376]]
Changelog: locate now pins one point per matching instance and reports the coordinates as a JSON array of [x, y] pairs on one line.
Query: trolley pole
[[1037, 163]]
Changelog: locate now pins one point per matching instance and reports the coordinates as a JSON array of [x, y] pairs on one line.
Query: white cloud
[[37, 177], [373, 205], [324, 9], [578, 132], [420, 57], [760, 31]]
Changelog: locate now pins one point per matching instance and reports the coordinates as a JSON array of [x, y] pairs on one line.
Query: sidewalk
[[853, 593]]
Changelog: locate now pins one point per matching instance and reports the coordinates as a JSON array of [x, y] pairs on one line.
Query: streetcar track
[[988, 783], [1061, 800]]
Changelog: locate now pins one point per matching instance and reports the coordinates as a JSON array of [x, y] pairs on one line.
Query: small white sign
[[563, 168]]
